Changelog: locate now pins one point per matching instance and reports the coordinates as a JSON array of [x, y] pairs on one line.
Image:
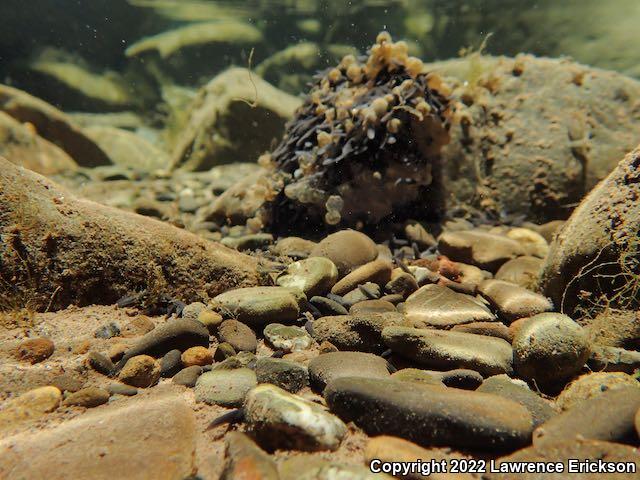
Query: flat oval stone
[[377, 271], [522, 271], [257, 306], [293, 246], [446, 350], [88, 397], [512, 301], [488, 329], [518, 391], [226, 388], [238, 335], [188, 376], [549, 348], [120, 389], [28, 406], [330, 366], [532, 242], [372, 306], [418, 376], [485, 250], [430, 415], [362, 333], [104, 444], [200, 356], [171, 363], [281, 420], [326, 306], [314, 276], [210, 319], [609, 416], [347, 249], [287, 375], [439, 306], [35, 350]]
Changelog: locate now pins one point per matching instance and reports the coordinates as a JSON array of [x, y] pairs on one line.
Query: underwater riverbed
[[319, 239]]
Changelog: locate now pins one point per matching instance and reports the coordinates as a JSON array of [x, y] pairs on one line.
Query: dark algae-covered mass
[[319, 240], [365, 145]]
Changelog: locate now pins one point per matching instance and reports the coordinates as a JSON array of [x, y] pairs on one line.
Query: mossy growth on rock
[[363, 148]]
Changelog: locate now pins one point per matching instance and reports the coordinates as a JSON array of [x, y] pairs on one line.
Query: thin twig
[[253, 104]]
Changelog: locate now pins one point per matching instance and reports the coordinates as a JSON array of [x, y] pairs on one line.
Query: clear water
[[96, 33]]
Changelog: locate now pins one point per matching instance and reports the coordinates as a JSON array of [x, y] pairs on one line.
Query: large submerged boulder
[[53, 125], [58, 250], [128, 149], [234, 118], [594, 261], [533, 135], [68, 80], [22, 146]]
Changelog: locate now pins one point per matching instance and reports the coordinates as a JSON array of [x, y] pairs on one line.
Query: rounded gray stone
[[226, 388], [446, 350], [121, 389], [430, 415], [314, 276], [238, 335], [279, 419], [285, 374], [518, 391], [549, 348], [257, 306], [188, 376], [171, 363], [330, 366], [362, 332]]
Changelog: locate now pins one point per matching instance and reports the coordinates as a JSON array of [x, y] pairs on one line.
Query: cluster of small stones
[[386, 340], [363, 146], [180, 198]]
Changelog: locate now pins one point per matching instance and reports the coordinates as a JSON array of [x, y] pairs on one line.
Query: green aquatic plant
[[476, 67]]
